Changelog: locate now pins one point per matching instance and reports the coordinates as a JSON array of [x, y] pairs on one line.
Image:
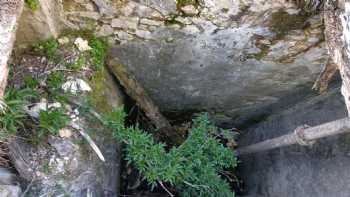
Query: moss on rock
[[282, 22]]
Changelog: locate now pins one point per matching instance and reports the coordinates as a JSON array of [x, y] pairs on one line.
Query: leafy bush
[[13, 115], [51, 121], [192, 167]]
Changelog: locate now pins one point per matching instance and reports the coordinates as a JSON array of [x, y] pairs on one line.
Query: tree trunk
[[10, 10]]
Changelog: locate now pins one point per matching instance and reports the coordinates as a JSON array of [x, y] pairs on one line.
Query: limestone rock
[[63, 40], [105, 30], [164, 6], [125, 22], [82, 45], [261, 59], [146, 21], [190, 10], [65, 133], [43, 23], [143, 34], [76, 85], [10, 191]]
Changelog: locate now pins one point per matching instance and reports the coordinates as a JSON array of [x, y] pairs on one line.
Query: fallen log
[[304, 136], [138, 93], [9, 13]]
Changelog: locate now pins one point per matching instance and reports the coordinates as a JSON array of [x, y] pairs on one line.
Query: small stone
[[143, 34], [65, 133], [146, 21], [90, 15], [128, 9], [89, 7], [82, 45], [76, 85], [190, 10], [191, 29], [34, 110], [125, 22], [122, 35], [63, 40], [105, 30]]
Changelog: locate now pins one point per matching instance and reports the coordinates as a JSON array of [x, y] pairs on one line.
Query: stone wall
[[232, 58]]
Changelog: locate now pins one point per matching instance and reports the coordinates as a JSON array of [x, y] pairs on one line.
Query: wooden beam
[[301, 136]]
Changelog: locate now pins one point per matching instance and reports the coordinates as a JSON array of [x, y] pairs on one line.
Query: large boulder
[[232, 59]]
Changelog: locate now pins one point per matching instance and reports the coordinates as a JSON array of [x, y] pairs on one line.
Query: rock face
[[321, 170], [41, 23], [9, 14], [232, 57], [237, 59]]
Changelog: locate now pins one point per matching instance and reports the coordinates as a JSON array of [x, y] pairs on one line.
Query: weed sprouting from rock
[[12, 117], [32, 4], [98, 52], [48, 48], [51, 121]]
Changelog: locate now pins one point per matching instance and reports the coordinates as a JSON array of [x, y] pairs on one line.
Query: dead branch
[[136, 92]]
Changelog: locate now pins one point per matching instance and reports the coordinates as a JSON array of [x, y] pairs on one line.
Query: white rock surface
[[34, 110], [82, 45], [190, 10], [76, 85], [65, 133], [10, 191]]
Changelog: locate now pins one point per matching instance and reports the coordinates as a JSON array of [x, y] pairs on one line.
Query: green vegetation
[[32, 4], [171, 20], [55, 80], [98, 51], [193, 167], [48, 48], [78, 63], [31, 82], [51, 121], [282, 22], [264, 50], [13, 115], [182, 3]]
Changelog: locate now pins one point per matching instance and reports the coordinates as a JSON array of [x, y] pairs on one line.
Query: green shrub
[[12, 117], [193, 167], [32, 4], [51, 121]]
